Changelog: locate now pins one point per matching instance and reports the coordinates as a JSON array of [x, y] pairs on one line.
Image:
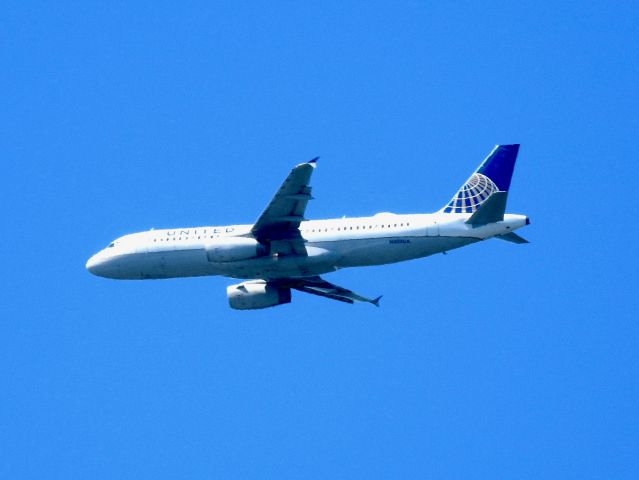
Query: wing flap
[[318, 286], [325, 295]]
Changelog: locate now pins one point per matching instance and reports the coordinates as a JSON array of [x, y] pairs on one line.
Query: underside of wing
[[278, 225], [318, 286]]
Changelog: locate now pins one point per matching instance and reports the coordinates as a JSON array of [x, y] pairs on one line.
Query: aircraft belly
[[317, 262], [380, 251], [172, 264]]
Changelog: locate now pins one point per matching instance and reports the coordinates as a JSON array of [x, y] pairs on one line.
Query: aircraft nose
[[93, 264]]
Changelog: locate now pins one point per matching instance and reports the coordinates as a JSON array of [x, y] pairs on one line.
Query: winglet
[[376, 301], [314, 161]]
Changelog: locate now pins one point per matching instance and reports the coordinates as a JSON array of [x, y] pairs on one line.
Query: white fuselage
[[330, 245]]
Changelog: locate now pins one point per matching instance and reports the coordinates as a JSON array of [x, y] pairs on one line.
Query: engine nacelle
[[256, 294], [232, 249]]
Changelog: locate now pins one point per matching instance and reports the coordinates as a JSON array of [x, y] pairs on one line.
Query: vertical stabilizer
[[493, 175]]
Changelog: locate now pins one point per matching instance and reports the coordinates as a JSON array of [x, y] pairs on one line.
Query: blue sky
[[496, 360]]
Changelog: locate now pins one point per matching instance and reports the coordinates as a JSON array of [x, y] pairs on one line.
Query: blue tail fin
[[493, 175]]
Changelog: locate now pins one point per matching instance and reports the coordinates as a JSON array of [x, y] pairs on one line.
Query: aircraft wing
[[278, 225], [318, 286]]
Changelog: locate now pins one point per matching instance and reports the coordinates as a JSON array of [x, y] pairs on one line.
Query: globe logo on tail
[[474, 192]]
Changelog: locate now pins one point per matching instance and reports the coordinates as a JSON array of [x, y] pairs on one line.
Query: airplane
[[282, 251]]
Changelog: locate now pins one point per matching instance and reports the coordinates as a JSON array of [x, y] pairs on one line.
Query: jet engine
[[256, 294], [232, 249]]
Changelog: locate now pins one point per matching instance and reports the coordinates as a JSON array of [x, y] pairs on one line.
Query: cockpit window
[[111, 245]]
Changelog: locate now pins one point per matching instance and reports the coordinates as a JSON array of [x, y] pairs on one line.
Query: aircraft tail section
[[493, 175]]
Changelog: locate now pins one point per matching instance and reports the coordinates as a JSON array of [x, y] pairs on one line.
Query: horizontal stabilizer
[[491, 211], [512, 237]]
